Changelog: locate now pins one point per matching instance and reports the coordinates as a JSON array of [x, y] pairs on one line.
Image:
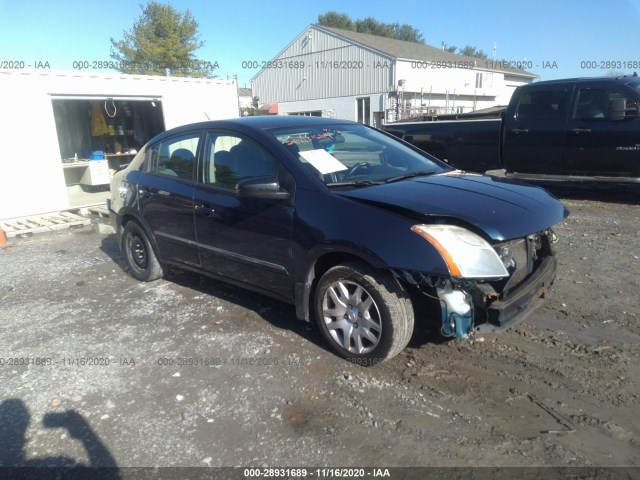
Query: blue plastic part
[[462, 325], [454, 324]]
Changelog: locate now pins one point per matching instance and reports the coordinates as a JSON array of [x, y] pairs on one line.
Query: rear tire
[[139, 254], [366, 316]]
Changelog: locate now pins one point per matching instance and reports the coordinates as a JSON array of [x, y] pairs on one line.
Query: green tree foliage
[[407, 33], [392, 30], [336, 20], [161, 38], [470, 51], [371, 26], [450, 49]]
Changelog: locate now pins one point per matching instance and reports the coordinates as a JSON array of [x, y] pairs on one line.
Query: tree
[[470, 51], [407, 33], [161, 38], [449, 48], [336, 20], [371, 26]]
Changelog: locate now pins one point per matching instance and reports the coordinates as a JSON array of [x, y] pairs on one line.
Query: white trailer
[[48, 150]]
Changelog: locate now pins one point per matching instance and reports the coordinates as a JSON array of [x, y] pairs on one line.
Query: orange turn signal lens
[[454, 270]]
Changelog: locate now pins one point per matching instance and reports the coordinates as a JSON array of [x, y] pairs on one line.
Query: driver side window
[[230, 159], [593, 103]]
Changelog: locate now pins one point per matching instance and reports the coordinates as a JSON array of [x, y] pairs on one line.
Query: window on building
[[313, 113], [478, 80], [363, 106]]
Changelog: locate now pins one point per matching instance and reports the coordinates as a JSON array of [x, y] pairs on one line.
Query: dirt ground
[[187, 371]]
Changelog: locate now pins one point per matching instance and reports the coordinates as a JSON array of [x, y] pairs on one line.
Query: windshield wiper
[[355, 183], [410, 175]]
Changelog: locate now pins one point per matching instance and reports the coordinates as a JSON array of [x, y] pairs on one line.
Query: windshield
[[352, 154]]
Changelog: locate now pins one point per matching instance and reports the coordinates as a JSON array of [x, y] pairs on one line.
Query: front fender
[[336, 227]]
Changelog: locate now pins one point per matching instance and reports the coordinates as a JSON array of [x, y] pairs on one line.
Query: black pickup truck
[[576, 129]]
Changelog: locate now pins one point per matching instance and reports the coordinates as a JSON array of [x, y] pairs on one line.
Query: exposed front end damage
[[490, 305]]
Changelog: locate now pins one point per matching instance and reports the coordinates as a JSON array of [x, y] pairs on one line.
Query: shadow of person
[[14, 421]]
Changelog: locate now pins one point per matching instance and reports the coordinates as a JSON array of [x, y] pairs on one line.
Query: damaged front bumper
[[520, 303], [470, 307], [483, 310]]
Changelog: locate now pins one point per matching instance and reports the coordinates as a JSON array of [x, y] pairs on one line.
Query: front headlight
[[466, 254]]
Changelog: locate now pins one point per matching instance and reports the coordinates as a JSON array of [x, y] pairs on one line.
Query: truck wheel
[[366, 316], [138, 253]]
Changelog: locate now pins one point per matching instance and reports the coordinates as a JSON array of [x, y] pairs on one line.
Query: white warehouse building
[[337, 73]]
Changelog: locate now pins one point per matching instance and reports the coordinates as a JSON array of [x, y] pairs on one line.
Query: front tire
[[138, 253], [366, 316]]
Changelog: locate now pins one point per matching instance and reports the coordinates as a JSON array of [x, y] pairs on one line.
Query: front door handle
[[204, 210], [144, 192], [518, 131], [580, 130]]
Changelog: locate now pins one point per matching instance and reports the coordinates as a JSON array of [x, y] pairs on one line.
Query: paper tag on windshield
[[323, 161]]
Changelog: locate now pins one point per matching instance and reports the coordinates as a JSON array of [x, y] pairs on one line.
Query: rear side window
[[548, 104], [175, 157]]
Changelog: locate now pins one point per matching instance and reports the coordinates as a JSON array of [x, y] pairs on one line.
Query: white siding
[[332, 68], [511, 82], [32, 179], [442, 80], [455, 88]]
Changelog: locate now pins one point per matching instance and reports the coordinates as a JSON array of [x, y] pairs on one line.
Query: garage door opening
[[98, 136]]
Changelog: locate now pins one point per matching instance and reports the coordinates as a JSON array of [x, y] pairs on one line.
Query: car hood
[[503, 209]]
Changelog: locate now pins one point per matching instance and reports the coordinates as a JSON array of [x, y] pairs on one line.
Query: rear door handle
[[580, 130], [518, 131], [204, 210]]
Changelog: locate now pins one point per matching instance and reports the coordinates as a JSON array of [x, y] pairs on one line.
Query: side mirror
[[620, 110], [265, 188], [617, 108]]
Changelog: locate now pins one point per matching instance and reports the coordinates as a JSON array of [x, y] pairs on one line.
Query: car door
[[534, 134], [165, 197], [598, 145], [247, 240]]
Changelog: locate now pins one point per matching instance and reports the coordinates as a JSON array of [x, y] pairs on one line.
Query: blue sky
[[566, 32]]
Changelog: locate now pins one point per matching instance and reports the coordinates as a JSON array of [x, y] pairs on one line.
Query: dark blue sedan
[[351, 225]]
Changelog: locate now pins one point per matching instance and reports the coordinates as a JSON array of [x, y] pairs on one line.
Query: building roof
[[401, 49], [245, 92]]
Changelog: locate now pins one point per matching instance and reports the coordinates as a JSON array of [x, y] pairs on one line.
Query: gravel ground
[[187, 371]]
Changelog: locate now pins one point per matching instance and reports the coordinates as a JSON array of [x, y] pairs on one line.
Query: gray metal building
[[343, 74]]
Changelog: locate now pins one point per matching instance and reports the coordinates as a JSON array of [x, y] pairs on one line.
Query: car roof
[[265, 122], [279, 121]]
